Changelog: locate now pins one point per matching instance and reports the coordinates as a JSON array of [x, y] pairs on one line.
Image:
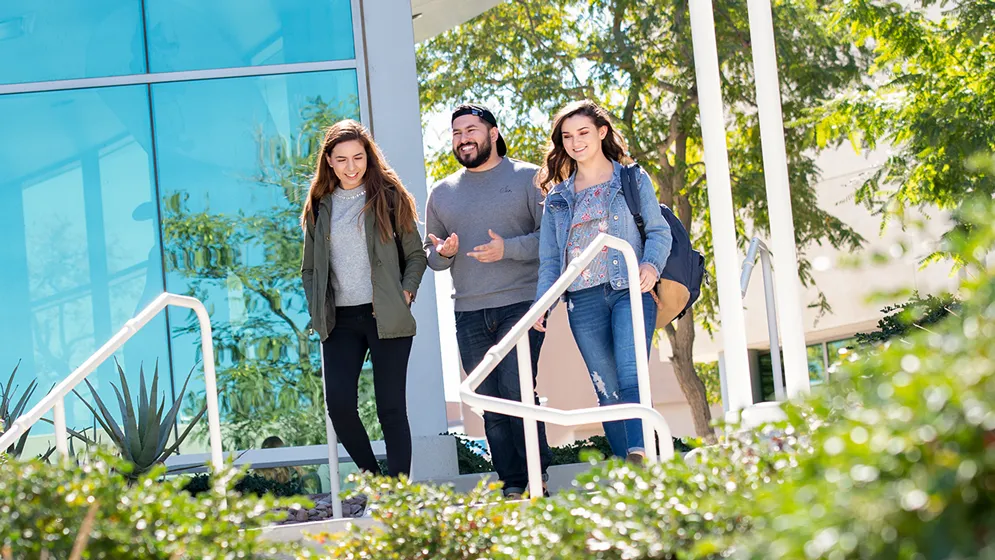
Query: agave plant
[[73, 435], [11, 410], [144, 434]]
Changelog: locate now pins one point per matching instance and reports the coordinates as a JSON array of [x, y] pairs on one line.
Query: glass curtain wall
[[112, 193]]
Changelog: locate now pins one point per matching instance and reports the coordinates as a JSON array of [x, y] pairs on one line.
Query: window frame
[[358, 63]]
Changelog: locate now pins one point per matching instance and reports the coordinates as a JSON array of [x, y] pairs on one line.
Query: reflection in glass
[[194, 35], [766, 372], [838, 350], [235, 159], [816, 364], [65, 39], [80, 247]]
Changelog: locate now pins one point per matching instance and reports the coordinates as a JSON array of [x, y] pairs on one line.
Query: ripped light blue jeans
[[601, 322]]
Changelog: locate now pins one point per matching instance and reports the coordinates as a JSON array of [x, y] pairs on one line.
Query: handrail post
[[61, 437], [533, 459], [759, 247], [775, 341], [210, 386], [639, 341], [333, 449]]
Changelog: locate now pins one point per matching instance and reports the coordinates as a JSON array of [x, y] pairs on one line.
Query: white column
[[733, 328], [395, 117], [782, 228]]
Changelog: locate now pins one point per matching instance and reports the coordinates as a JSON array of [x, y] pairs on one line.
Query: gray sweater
[[504, 199], [352, 279]]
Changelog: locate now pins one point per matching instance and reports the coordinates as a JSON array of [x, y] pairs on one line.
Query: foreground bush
[[905, 464], [46, 510], [249, 483], [616, 512]]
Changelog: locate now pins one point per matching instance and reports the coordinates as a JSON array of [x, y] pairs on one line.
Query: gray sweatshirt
[[352, 279], [504, 199]]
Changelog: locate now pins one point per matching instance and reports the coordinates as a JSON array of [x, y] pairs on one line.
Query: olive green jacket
[[393, 315]]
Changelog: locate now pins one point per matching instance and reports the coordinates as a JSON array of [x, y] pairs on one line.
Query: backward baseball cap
[[487, 116]]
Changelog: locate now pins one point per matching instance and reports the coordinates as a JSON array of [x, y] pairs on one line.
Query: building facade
[[165, 145], [162, 145]]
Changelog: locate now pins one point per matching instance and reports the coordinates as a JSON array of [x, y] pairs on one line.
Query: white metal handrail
[[758, 246], [529, 412], [56, 398]]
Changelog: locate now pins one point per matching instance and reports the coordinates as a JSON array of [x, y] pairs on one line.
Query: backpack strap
[[630, 190]]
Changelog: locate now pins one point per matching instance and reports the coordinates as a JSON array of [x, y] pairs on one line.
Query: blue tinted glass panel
[[195, 35], [816, 364], [235, 157], [64, 39], [839, 351], [80, 251]]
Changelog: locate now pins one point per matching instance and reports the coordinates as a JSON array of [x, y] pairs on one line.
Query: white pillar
[[782, 228], [395, 119], [733, 328]]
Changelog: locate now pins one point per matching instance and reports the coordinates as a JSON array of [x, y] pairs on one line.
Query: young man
[[483, 225]]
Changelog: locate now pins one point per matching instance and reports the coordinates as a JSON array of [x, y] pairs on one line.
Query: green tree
[[930, 97], [635, 58], [269, 370], [904, 319]]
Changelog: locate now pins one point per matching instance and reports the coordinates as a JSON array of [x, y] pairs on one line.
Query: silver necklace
[[362, 191]]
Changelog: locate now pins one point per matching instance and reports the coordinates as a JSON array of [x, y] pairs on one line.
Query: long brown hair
[[558, 165], [384, 190]]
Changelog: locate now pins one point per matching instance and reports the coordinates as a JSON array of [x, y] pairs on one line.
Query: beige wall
[[856, 295]]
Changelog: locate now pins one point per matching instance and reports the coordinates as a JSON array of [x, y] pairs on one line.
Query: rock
[[352, 507]]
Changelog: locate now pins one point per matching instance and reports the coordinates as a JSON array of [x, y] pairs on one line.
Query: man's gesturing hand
[[448, 248], [490, 252]]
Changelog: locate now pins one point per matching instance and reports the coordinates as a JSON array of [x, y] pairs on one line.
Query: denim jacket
[[557, 217]]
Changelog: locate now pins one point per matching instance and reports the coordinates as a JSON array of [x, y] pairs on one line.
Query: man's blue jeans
[[601, 321], [476, 333]]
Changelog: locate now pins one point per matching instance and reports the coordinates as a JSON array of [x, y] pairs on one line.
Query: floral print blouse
[[590, 217]]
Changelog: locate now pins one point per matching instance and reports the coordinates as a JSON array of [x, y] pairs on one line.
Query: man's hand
[[490, 252], [647, 277], [540, 324], [447, 248], [408, 298]]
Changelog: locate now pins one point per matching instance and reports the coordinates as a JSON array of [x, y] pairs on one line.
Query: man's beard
[[483, 154]]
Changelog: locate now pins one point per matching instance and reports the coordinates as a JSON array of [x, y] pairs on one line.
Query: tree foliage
[[906, 318], [929, 97], [635, 58]]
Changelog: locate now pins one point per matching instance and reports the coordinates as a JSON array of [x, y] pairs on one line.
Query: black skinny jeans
[[343, 353]]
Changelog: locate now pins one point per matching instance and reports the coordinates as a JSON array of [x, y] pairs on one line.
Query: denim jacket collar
[[568, 184]]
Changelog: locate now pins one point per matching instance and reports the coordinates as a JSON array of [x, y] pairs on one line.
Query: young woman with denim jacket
[[359, 294], [581, 176]]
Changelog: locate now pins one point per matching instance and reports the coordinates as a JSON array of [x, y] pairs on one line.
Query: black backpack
[[680, 281]]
